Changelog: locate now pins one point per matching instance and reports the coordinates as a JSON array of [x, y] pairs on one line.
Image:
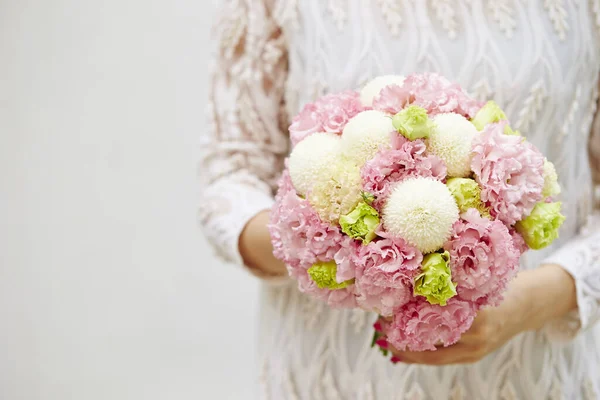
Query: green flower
[[541, 227], [467, 194], [435, 281], [323, 274], [508, 131], [489, 114], [413, 123], [367, 197], [551, 186], [361, 222]]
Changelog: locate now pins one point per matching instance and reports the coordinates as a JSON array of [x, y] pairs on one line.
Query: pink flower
[[298, 234], [385, 269], [509, 171], [392, 99], [518, 241], [431, 91], [300, 239], [419, 326], [330, 113], [309, 121], [404, 160], [345, 259], [439, 95], [483, 258], [340, 298]]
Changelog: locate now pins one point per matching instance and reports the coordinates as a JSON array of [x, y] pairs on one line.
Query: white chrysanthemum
[[422, 212], [551, 186], [451, 140], [337, 189], [372, 89], [310, 157], [365, 134]]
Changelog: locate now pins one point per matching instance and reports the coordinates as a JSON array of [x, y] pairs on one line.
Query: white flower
[[551, 186], [365, 134], [372, 89], [421, 211], [336, 189], [451, 141], [311, 157]]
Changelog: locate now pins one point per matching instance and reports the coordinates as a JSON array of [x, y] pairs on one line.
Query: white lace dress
[[539, 59]]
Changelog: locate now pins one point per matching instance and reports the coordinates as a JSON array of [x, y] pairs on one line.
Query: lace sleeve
[[581, 258], [594, 148], [243, 151]]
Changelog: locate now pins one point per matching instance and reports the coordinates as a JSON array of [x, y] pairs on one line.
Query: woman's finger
[[457, 354]]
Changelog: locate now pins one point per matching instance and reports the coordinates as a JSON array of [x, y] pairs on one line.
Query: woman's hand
[[256, 249], [534, 298]]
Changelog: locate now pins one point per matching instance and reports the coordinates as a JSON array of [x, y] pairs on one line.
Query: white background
[[107, 290]]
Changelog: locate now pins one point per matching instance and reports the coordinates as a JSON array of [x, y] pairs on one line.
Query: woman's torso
[[540, 60]]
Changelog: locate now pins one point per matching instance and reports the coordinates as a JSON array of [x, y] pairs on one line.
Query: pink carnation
[[483, 258], [345, 258], [405, 159], [330, 113], [384, 274], [339, 298], [439, 95], [509, 171], [298, 234], [420, 326], [518, 241], [300, 239], [429, 90], [392, 99]]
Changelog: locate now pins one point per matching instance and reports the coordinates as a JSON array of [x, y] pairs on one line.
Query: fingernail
[[382, 343], [378, 327], [395, 360]]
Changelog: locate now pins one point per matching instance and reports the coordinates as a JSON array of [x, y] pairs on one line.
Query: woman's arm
[[581, 259], [256, 248], [243, 151]]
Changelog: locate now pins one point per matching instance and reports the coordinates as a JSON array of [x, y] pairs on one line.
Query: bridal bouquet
[[411, 200]]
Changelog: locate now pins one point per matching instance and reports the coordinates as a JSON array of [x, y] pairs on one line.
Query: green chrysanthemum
[[361, 222], [413, 123], [551, 186], [323, 274], [491, 113], [467, 194], [541, 227], [435, 281]]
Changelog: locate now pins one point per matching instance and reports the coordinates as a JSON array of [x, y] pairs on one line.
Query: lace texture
[[539, 59]]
